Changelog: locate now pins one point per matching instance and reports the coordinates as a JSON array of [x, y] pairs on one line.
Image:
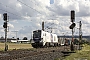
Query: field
[[15, 46], [83, 54]]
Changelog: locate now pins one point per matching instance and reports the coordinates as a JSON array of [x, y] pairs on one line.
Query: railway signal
[[5, 19], [5, 16], [72, 16], [5, 26], [72, 25]]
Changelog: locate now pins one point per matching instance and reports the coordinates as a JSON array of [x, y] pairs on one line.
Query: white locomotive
[[44, 39]]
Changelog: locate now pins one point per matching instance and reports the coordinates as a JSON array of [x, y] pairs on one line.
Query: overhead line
[[33, 2], [6, 10], [10, 8], [7, 6], [9, 12], [38, 6], [28, 6], [15, 9]]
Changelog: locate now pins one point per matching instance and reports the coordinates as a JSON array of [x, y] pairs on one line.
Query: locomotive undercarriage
[[47, 44], [37, 45]]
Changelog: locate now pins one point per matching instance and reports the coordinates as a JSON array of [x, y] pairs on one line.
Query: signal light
[[72, 16], [5, 16], [5, 25], [72, 25]]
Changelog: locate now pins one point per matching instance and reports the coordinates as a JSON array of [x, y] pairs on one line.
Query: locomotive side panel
[[46, 37], [55, 39]]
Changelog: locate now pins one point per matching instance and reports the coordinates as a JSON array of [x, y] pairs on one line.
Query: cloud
[[30, 14], [0, 16], [10, 25]]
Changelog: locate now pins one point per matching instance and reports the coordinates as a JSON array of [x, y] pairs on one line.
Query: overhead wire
[[31, 7], [42, 8], [38, 6], [35, 4], [8, 11], [15, 9], [28, 6], [18, 16], [7, 6], [11, 12], [23, 4]]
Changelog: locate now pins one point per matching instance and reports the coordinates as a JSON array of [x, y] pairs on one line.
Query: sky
[[25, 16], [51, 1]]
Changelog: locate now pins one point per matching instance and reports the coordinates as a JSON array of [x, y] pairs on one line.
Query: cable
[[28, 6], [10, 12], [36, 4], [7, 6], [10, 8], [33, 2]]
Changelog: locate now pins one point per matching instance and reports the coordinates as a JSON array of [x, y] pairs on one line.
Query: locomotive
[[44, 39]]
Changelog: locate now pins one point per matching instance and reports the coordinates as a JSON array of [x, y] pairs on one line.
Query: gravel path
[[33, 54]]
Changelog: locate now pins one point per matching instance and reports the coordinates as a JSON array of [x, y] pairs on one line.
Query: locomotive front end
[[37, 40]]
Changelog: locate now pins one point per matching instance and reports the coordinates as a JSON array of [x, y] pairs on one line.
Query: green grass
[[12, 46], [83, 54]]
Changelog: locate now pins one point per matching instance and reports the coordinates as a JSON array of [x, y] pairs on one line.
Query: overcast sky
[[28, 15]]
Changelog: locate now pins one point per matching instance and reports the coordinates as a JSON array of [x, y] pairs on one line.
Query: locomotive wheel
[[47, 44], [54, 44]]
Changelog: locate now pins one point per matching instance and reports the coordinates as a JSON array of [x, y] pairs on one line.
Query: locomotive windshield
[[37, 34]]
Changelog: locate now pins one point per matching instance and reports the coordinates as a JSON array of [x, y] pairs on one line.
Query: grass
[[12, 46], [83, 54]]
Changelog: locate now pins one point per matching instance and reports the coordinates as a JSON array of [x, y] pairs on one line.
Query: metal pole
[[51, 29], [43, 26], [72, 45], [6, 46], [72, 20], [72, 35], [80, 33]]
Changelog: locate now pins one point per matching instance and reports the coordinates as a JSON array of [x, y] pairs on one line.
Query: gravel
[[46, 56]]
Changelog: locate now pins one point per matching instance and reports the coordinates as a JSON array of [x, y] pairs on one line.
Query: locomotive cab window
[[36, 34]]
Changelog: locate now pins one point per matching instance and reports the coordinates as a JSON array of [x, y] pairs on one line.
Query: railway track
[[29, 53]]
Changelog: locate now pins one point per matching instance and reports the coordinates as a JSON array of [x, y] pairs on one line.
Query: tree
[[17, 38], [76, 41], [25, 38], [2, 37]]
